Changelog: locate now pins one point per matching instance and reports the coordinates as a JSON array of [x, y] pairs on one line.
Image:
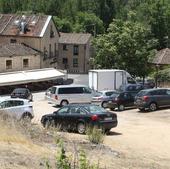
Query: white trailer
[[108, 79]]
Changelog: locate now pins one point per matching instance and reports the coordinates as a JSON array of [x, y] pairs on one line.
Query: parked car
[[133, 88], [16, 108], [101, 98], [78, 117], [152, 99], [65, 94], [121, 101], [147, 84], [23, 93]]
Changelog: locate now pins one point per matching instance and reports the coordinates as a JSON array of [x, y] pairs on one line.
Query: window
[[109, 93], [45, 53], [50, 51], [70, 90], [75, 62], [168, 92], [64, 47], [25, 63], [8, 64], [55, 49], [75, 50], [13, 40], [87, 90], [51, 32], [65, 60], [52, 90], [63, 110]]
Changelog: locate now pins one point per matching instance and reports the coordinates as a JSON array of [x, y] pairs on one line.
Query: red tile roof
[[36, 24]]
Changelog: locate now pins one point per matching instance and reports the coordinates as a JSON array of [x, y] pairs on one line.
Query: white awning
[[37, 75]]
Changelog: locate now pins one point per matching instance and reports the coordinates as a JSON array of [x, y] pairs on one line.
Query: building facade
[[18, 57], [74, 52], [35, 31]]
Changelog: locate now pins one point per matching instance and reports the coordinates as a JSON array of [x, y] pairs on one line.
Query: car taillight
[[56, 97], [117, 99], [94, 118], [145, 98]]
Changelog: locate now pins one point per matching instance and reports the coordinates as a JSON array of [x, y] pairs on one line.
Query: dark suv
[[152, 99], [23, 93], [122, 100]]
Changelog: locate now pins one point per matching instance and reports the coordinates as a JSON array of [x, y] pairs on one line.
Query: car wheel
[[27, 117], [121, 107], [81, 128], [153, 107], [64, 103], [107, 131], [112, 109], [141, 109], [104, 104]]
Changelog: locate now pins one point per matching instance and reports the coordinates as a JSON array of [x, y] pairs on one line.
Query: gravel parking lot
[[144, 136]]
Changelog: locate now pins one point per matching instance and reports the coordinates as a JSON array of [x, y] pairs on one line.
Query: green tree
[[90, 23], [127, 45], [63, 25]]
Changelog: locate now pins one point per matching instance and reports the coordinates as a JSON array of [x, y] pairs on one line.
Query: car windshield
[[20, 90], [142, 93], [97, 94], [94, 109], [115, 94]]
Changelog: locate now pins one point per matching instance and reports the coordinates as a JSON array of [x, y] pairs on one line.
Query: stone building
[[36, 31], [18, 57], [74, 52]]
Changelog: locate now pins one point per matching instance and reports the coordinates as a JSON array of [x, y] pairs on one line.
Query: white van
[[65, 94]]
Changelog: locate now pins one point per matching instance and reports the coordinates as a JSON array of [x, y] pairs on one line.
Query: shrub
[[95, 135]]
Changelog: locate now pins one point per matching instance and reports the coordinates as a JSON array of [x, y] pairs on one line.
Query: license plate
[[110, 101], [108, 118]]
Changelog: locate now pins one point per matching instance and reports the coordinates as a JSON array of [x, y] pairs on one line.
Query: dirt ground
[[140, 141]]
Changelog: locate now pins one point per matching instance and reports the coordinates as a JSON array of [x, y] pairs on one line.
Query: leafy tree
[[63, 25], [127, 45], [90, 23]]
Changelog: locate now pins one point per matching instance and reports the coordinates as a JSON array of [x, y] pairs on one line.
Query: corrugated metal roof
[[15, 49], [162, 57], [10, 24], [74, 38]]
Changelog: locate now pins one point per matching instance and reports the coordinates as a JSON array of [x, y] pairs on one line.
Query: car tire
[[121, 107], [141, 109], [81, 128], [153, 106], [107, 131], [27, 117], [104, 104], [63, 103], [112, 109]]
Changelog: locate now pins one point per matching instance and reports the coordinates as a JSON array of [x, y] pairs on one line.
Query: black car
[[152, 99], [122, 100], [78, 117], [23, 93]]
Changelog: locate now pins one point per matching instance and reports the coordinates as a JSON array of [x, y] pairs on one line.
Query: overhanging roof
[[22, 77], [162, 57]]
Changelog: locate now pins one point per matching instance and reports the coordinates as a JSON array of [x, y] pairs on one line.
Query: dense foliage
[[126, 30]]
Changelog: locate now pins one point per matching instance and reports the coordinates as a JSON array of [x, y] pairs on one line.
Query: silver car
[[16, 108], [101, 98]]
